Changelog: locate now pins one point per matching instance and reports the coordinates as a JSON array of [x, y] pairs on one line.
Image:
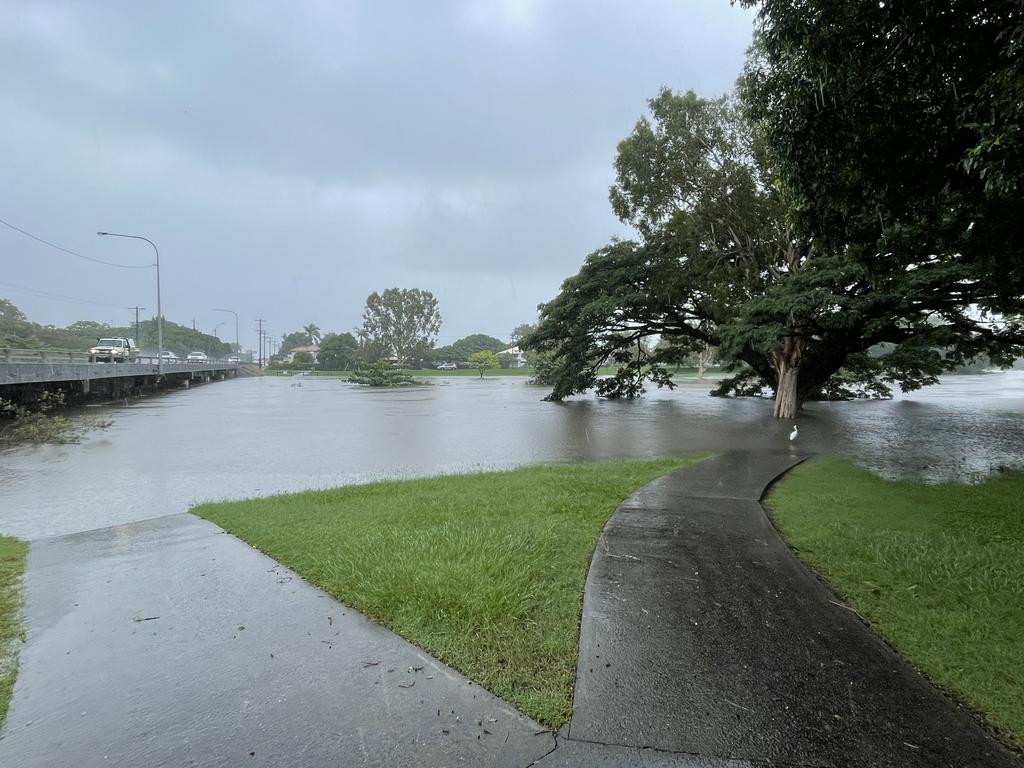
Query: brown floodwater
[[259, 436]]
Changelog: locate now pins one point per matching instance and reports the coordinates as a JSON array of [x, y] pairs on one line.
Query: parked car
[[195, 357], [447, 367]]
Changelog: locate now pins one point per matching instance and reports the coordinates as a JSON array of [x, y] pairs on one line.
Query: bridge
[[26, 373]]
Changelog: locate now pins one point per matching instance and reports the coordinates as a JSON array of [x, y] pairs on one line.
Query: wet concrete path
[[703, 638], [167, 642]]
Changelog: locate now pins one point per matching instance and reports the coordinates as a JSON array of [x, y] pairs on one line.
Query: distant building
[[517, 355], [313, 349]]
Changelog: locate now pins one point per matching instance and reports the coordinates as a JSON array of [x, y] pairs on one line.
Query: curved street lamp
[[159, 313], [238, 347]]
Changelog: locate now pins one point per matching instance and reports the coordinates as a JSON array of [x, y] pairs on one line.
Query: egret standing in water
[[793, 434]]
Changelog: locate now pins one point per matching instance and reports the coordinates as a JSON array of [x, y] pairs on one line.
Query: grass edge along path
[[12, 565], [484, 571], [935, 569]]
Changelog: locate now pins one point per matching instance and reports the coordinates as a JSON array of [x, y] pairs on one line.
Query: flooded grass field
[[257, 436]]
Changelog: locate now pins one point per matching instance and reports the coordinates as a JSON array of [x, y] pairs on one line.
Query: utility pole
[[138, 333], [260, 320]]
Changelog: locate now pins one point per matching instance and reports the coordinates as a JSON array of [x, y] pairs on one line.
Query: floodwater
[[259, 436]]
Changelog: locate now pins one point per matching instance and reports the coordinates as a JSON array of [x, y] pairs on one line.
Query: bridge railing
[[55, 356]]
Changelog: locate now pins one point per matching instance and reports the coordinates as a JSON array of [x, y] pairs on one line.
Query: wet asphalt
[[704, 637]]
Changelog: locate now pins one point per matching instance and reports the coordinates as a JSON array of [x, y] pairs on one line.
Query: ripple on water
[[259, 436]]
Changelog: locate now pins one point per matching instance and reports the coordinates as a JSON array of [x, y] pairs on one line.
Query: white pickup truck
[[114, 351]]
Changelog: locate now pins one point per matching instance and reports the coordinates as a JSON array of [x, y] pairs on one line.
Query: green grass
[[484, 571], [12, 564], [938, 570]]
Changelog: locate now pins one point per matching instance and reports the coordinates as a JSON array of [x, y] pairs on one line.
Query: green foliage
[[520, 332], [483, 571], [545, 370], [906, 154], [719, 264], [337, 352], [292, 340], [484, 360], [302, 359], [312, 334], [935, 569], [459, 351], [12, 564], [381, 374], [402, 322]]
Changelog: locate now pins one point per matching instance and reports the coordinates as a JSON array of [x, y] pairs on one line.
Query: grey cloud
[[291, 158]]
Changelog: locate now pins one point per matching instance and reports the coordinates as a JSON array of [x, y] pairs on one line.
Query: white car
[[197, 357], [447, 367], [234, 359], [168, 357]]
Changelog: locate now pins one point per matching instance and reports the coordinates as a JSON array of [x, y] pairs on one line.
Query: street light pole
[[238, 347], [159, 313]]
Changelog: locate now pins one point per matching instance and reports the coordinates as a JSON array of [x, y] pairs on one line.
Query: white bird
[[793, 434]]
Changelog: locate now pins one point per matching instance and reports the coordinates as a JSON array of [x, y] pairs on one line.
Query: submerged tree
[[719, 264], [484, 360], [381, 374]]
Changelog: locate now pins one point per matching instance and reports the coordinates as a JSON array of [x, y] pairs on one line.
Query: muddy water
[[251, 437]]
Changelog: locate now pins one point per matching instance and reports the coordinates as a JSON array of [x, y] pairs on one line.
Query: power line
[[38, 292], [74, 253]]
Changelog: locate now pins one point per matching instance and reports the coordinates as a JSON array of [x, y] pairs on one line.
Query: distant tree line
[[17, 331], [400, 327]]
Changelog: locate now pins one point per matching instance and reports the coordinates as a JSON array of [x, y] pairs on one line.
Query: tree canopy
[[723, 259], [896, 129], [381, 374], [403, 322], [292, 340], [484, 360], [337, 352], [461, 350], [311, 333]]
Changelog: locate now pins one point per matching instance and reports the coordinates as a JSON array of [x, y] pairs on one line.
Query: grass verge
[[485, 571], [936, 569], [12, 564]]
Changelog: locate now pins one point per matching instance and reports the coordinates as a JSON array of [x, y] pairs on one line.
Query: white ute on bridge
[[114, 351]]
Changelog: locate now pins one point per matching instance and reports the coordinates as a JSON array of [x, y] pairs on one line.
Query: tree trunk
[[787, 364], [786, 402]]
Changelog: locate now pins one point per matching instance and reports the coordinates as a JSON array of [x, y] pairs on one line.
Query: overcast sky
[[290, 158]]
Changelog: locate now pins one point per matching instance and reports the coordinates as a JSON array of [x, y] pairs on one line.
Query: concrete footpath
[[703, 637], [170, 643]]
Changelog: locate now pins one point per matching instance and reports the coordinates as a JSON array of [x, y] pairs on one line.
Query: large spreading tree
[[401, 322], [889, 263]]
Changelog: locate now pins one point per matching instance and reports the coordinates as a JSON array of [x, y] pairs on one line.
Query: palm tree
[[312, 332]]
